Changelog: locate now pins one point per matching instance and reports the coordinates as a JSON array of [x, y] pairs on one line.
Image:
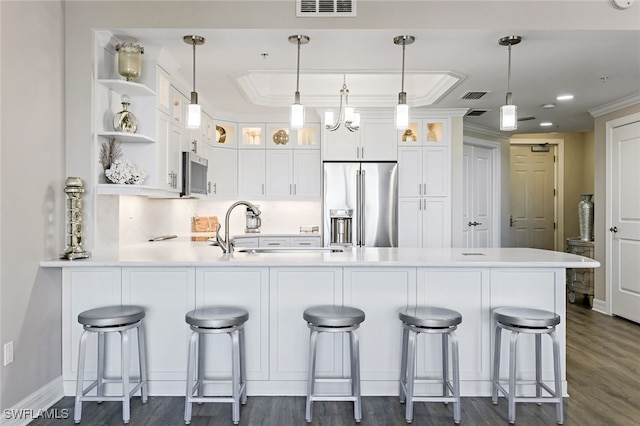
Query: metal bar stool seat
[[216, 320], [532, 321], [334, 319], [431, 320], [111, 319]]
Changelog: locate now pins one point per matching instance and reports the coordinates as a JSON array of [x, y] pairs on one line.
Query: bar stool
[[334, 319], [111, 319], [431, 320], [531, 321], [216, 320]]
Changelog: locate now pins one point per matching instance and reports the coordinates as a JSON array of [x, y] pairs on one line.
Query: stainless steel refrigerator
[[360, 204]]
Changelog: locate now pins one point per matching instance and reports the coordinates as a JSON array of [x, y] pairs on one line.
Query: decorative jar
[[125, 121], [129, 60], [585, 217]]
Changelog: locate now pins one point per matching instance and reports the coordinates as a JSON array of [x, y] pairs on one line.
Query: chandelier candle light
[[346, 115], [402, 109], [296, 116], [509, 112], [194, 111]]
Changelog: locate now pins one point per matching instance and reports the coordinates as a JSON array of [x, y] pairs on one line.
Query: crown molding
[[615, 105], [483, 131]]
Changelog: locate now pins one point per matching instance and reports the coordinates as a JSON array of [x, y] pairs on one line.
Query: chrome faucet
[[227, 245]]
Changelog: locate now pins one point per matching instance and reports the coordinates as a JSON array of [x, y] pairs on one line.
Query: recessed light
[[546, 124], [564, 97], [548, 106]]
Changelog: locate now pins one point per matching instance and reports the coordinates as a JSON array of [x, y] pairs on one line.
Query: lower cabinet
[[277, 336], [381, 332], [247, 288], [292, 291]]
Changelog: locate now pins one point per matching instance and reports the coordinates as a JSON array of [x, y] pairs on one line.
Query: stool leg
[[199, 365], [100, 372], [557, 377], [126, 367], [243, 368], [411, 364], [403, 365], [496, 364], [235, 376], [313, 339], [445, 364], [82, 351], [512, 377], [538, 349], [191, 363], [455, 361], [142, 361], [355, 376]]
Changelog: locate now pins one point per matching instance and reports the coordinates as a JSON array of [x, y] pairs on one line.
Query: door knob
[[613, 229], [475, 223]]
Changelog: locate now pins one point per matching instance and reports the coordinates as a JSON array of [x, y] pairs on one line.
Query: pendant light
[[402, 109], [296, 116], [509, 112], [194, 111], [346, 113]]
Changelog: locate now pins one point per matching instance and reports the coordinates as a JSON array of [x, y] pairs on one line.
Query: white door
[[625, 226], [532, 198], [477, 196]]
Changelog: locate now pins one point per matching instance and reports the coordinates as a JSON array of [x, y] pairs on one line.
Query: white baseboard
[[600, 306], [35, 405]]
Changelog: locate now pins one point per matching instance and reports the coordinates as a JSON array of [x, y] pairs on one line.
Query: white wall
[[31, 192]]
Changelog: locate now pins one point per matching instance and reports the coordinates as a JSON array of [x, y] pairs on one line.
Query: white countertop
[[184, 252]]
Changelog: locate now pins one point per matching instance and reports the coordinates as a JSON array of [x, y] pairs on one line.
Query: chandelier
[[346, 113]]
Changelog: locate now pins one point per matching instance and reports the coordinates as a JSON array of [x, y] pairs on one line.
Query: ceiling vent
[[328, 8], [476, 112], [473, 95], [526, 118]]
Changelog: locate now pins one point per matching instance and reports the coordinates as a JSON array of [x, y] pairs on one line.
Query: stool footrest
[[333, 398], [108, 398], [552, 398]]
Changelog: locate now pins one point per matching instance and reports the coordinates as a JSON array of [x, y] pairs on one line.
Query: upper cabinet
[[374, 141], [280, 136], [426, 131], [252, 135]]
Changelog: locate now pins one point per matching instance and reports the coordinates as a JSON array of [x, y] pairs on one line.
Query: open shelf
[[127, 137], [127, 87]]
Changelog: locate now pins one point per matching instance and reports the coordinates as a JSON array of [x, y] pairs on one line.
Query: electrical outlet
[[8, 353]]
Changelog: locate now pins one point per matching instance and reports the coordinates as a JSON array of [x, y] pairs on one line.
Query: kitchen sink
[[290, 250]]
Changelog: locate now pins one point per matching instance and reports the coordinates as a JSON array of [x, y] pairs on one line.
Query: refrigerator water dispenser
[[341, 226]]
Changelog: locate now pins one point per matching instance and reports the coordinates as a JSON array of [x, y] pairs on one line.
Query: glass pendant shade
[[329, 118], [508, 117], [356, 120], [402, 116], [349, 114], [296, 117], [194, 116]]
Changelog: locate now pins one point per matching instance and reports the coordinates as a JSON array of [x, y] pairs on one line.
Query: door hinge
[[554, 158], [554, 192], [554, 225]]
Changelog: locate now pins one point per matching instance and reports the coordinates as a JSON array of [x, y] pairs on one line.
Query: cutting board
[[203, 224]]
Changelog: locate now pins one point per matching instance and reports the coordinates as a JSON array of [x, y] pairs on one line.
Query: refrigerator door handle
[[363, 176], [358, 212]]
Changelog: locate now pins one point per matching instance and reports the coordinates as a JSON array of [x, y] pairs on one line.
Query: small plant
[[109, 152]]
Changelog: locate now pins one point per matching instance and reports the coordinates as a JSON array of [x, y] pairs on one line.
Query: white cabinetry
[[166, 294], [293, 173], [223, 173], [424, 185], [292, 291], [248, 288], [278, 241], [251, 173], [375, 141], [381, 333]]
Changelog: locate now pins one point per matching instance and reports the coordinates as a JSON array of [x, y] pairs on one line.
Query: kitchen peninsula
[[172, 277]]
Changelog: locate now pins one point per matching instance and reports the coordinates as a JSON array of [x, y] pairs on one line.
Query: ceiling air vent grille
[[473, 95], [329, 8], [476, 112]]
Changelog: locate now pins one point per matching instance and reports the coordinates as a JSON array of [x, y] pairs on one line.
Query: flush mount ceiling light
[[402, 109], [346, 113], [296, 117], [564, 97], [194, 111], [509, 112]]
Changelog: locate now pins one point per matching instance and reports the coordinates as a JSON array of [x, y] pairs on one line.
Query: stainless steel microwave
[[194, 174]]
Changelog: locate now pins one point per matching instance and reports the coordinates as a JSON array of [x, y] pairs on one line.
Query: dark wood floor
[[603, 371]]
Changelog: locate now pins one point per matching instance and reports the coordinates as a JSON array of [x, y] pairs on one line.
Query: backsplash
[[136, 219]]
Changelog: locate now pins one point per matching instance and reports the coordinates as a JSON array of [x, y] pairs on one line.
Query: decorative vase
[[585, 217], [129, 60], [125, 121]]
